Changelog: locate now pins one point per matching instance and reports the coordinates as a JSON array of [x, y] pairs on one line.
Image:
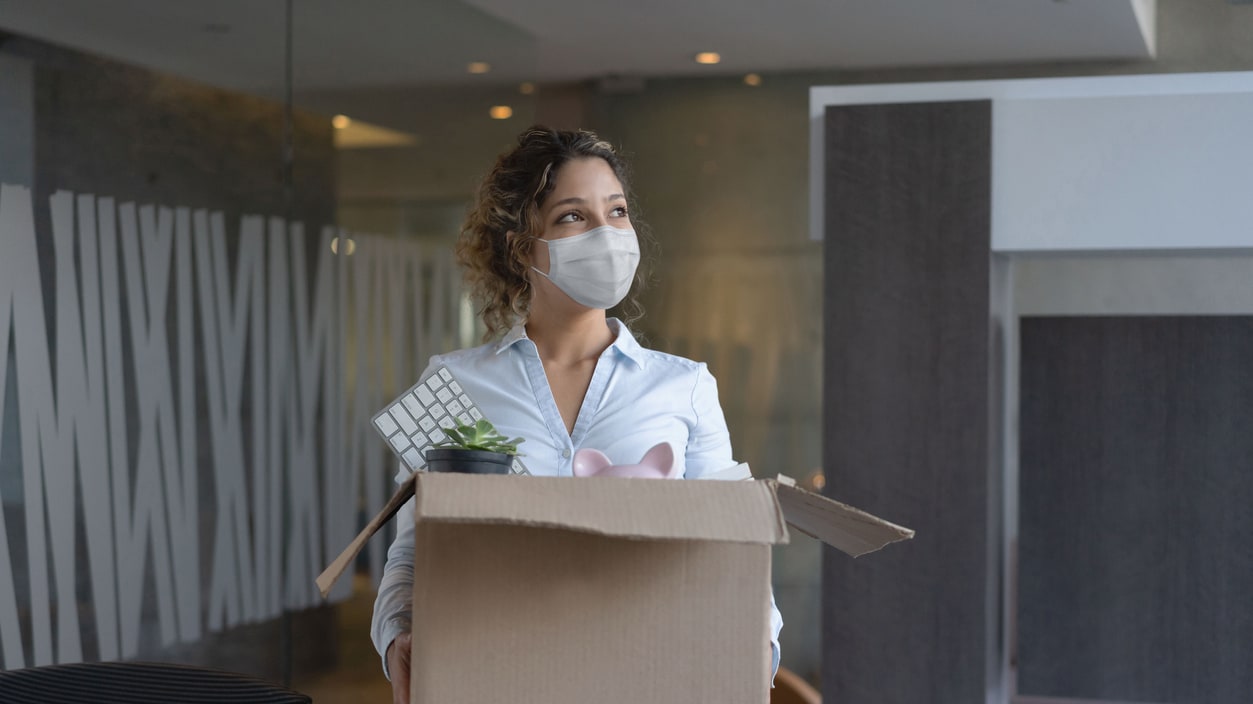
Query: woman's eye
[[568, 217], [620, 211]]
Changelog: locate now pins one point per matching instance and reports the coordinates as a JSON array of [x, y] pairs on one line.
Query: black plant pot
[[468, 461]]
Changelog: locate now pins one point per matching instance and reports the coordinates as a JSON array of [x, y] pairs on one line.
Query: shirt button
[[566, 453]]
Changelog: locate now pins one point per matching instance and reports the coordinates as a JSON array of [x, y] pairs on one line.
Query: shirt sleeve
[[708, 452], [708, 443], [393, 607], [776, 625]]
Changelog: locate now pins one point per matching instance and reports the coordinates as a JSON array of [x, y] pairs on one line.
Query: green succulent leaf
[[481, 435]]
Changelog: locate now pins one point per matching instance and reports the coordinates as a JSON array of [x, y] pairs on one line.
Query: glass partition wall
[[172, 348]]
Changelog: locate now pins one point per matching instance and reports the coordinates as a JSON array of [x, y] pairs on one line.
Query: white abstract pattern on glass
[[190, 394]]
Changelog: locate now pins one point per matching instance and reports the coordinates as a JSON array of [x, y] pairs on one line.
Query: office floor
[[359, 677]]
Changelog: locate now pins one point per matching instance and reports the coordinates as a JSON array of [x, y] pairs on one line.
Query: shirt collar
[[624, 342], [515, 335]]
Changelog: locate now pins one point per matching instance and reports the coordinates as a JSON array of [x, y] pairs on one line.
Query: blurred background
[[326, 152]]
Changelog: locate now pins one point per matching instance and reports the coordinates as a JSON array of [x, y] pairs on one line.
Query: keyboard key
[[444, 395], [412, 458], [411, 402], [402, 418], [425, 396], [385, 424], [456, 388], [427, 423]]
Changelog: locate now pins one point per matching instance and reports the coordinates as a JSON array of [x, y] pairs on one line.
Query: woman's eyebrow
[[579, 201], [567, 201]]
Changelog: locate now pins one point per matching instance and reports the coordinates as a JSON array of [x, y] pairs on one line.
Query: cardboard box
[[556, 590]]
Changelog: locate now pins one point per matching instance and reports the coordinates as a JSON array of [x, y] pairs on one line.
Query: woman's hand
[[398, 667]]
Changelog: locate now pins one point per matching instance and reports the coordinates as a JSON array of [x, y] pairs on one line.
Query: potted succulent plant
[[473, 449]]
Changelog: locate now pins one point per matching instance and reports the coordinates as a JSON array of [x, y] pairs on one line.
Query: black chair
[[138, 683]]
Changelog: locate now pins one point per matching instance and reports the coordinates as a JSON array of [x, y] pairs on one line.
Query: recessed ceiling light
[[526, 88], [708, 57], [501, 112], [478, 67], [339, 122], [752, 79], [363, 135]]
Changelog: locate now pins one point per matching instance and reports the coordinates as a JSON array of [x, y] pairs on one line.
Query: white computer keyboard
[[417, 420]]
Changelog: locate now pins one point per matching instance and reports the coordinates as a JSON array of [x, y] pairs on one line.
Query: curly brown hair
[[509, 199]]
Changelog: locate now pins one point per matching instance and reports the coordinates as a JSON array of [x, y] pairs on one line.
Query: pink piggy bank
[[658, 463]]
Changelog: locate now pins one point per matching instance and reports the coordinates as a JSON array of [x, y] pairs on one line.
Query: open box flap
[[331, 574], [841, 526]]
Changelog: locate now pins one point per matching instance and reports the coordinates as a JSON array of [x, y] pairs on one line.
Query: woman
[[549, 246]]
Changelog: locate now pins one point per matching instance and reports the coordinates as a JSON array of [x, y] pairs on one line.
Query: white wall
[[1098, 163], [1166, 171]]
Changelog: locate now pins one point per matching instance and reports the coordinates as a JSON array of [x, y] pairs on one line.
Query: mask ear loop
[[517, 250], [543, 182], [550, 261], [518, 247]]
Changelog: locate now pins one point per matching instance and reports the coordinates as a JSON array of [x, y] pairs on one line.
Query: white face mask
[[595, 268]]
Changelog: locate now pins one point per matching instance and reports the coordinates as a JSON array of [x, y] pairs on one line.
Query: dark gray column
[[906, 397], [1136, 480]]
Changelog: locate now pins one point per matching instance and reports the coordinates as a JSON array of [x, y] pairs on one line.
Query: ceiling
[[341, 45]]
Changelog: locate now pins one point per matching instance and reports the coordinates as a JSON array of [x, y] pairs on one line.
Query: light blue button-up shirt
[[637, 398]]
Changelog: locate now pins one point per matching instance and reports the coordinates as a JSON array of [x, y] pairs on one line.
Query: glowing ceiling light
[[501, 112], [339, 122], [708, 57], [478, 67], [752, 79], [526, 88]]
